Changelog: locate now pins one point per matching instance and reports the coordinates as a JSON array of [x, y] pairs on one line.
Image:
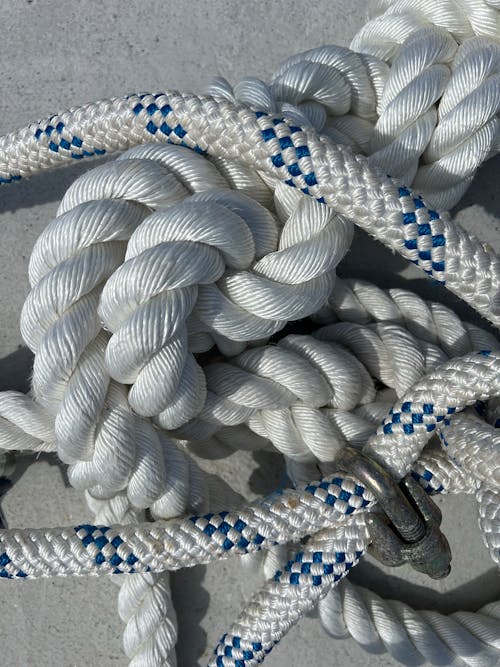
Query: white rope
[[40, 318], [258, 616], [421, 99], [409, 635], [341, 394], [185, 542], [328, 172], [153, 258], [144, 601], [489, 520]]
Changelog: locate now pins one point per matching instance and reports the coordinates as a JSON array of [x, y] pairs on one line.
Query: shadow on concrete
[[484, 189], [470, 596], [44, 187], [21, 462], [222, 495], [269, 474], [191, 601], [16, 369]]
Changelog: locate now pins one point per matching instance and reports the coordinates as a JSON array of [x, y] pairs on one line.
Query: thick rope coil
[[340, 393], [391, 88], [362, 302], [69, 263], [330, 554], [463, 18], [279, 389], [347, 183], [61, 255], [390, 353], [409, 635], [460, 138], [384, 101], [67, 277], [275, 291]]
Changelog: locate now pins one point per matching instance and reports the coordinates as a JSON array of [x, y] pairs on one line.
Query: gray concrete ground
[[57, 54]]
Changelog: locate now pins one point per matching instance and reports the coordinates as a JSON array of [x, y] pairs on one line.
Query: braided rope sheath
[[185, 542], [330, 555], [330, 173], [408, 106], [401, 125], [112, 550], [427, 477]]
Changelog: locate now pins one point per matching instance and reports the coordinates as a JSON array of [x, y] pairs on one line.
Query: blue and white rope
[[170, 545], [330, 173], [316, 569], [120, 549], [329, 510]]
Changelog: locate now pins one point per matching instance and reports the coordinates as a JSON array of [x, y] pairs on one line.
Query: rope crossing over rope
[[227, 227]]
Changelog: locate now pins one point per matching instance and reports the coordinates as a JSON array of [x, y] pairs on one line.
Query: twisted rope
[[330, 173], [131, 245]]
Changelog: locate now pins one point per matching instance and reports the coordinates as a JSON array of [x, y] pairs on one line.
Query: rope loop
[[164, 305]]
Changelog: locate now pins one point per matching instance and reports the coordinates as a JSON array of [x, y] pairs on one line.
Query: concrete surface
[[57, 54]]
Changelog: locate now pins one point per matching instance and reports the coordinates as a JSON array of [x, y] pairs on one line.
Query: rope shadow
[[484, 189], [191, 601], [47, 186], [16, 369], [470, 596], [269, 473]]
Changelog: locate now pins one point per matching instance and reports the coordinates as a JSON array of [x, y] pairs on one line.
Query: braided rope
[[110, 265], [177, 543], [330, 554], [328, 172], [421, 97]]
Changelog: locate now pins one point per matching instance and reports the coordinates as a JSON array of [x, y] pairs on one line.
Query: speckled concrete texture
[[58, 54]]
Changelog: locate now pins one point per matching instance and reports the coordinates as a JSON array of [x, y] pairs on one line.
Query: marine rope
[[225, 219]]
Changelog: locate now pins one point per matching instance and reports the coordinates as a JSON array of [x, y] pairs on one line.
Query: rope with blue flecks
[[424, 226], [330, 173], [330, 510], [330, 554]]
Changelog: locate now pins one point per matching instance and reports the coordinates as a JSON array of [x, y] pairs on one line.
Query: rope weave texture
[[156, 289]]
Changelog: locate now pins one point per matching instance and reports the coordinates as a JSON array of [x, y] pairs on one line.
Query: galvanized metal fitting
[[409, 532]]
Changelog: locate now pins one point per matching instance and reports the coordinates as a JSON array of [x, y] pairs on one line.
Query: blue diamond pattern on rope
[[160, 120], [8, 569], [10, 179], [423, 228], [241, 651], [426, 480], [107, 549], [58, 138], [346, 498], [307, 569], [228, 531], [412, 415], [424, 234], [289, 152]]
